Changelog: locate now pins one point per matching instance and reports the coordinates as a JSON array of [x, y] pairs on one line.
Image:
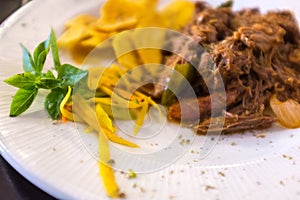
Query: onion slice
[[287, 112]]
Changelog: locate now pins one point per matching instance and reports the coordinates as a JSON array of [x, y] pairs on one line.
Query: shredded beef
[[257, 56]]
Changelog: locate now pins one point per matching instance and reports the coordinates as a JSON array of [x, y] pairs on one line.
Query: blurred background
[[9, 6]]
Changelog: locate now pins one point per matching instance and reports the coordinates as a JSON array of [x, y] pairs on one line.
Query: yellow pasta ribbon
[[103, 118], [89, 115], [106, 172], [67, 114], [141, 117], [150, 101], [116, 139]]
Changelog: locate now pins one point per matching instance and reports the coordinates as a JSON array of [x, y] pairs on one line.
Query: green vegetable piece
[[40, 54], [187, 71], [33, 79], [48, 74], [226, 4], [131, 174], [48, 83], [43, 46], [70, 74], [22, 101], [53, 100], [54, 50], [40, 62], [25, 81], [28, 64]]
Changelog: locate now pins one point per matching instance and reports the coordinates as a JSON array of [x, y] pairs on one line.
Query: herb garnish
[[33, 78]]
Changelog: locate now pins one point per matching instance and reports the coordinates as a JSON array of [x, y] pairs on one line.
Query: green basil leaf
[[40, 54], [70, 74], [48, 74], [48, 83], [43, 46], [53, 100], [25, 81], [22, 101], [83, 89], [28, 64], [54, 50], [39, 63]]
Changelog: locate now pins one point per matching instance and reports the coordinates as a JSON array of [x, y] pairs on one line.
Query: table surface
[[12, 185]]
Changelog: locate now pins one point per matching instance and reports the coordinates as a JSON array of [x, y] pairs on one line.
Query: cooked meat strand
[[185, 111], [259, 53], [233, 124]]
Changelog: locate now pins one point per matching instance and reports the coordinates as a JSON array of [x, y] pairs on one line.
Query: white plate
[[240, 166]]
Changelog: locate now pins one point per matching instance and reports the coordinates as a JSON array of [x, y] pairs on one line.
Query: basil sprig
[[33, 78]]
